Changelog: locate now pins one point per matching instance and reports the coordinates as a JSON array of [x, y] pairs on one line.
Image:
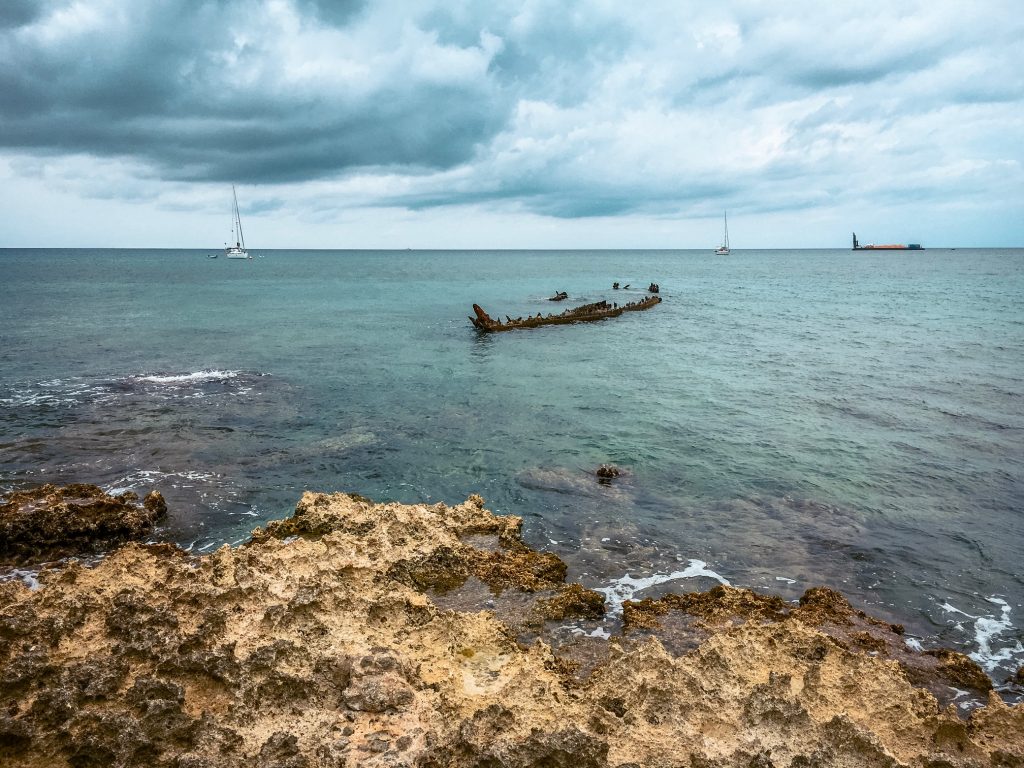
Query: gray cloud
[[171, 100], [571, 110], [335, 12], [831, 76], [17, 13]]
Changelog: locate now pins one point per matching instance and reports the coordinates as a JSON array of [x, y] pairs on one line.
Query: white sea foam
[[149, 477], [600, 632], [195, 377], [953, 609], [987, 630], [191, 386], [57, 393], [627, 587], [27, 577], [67, 393]]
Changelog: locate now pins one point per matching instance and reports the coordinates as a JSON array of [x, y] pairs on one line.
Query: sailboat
[[236, 251], [723, 249]]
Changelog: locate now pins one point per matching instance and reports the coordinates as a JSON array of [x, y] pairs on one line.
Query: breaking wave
[[627, 587], [195, 377], [78, 391], [993, 651]]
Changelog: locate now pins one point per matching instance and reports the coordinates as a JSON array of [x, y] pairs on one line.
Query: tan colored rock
[[329, 650]]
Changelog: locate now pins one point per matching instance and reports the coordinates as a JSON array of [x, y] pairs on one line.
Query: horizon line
[[709, 249]]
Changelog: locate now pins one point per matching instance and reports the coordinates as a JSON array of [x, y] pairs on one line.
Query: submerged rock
[[318, 644], [48, 522], [571, 601]]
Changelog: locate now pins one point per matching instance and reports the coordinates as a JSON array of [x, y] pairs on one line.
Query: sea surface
[[784, 419]]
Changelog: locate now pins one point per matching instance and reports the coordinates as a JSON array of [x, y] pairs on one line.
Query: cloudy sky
[[533, 124]]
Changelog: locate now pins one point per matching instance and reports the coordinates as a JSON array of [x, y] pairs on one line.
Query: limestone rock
[[319, 643], [49, 522]]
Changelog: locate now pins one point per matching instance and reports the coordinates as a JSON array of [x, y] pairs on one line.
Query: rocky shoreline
[[329, 639]]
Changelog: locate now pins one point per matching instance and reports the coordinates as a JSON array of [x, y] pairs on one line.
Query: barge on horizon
[[892, 247]]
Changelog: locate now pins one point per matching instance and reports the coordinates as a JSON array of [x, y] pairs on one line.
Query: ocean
[[784, 419]]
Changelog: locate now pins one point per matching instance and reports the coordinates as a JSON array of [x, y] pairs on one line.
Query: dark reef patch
[[50, 522]]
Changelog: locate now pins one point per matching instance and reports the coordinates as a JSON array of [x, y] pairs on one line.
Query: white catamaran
[[723, 249], [236, 251]]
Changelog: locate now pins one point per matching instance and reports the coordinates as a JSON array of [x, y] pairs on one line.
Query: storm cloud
[[185, 87], [560, 110]]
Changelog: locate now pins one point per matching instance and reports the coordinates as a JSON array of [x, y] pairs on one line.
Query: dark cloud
[[567, 198], [774, 72], [307, 144], [264, 205], [616, 200], [18, 13], [988, 92], [338, 13], [825, 75], [173, 102]]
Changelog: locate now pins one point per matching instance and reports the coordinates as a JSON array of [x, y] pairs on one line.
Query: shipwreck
[[599, 310]]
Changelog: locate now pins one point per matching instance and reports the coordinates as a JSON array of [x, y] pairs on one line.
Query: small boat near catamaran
[[723, 249], [236, 251]]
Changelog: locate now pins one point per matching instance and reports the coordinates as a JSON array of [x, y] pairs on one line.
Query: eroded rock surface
[[50, 522], [317, 644]]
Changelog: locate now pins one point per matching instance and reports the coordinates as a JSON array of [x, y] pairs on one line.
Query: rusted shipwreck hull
[[587, 313]]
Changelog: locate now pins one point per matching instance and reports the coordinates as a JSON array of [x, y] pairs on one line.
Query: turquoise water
[[786, 418]]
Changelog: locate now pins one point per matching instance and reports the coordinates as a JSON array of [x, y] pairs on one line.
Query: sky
[[531, 124]]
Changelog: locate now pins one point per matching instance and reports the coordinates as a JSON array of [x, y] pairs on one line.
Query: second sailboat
[[723, 249]]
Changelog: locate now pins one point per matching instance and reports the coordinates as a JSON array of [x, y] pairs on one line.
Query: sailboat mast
[[726, 229], [238, 218]]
